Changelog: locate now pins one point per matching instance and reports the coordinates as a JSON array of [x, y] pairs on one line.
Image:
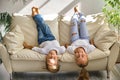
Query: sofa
[[23, 28]]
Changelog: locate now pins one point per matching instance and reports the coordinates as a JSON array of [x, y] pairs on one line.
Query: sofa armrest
[[113, 55], [5, 58]]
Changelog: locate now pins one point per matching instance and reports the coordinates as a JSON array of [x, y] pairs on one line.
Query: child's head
[[52, 61], [81, 57]]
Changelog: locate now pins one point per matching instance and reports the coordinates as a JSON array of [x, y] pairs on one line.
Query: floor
[[97, 75]]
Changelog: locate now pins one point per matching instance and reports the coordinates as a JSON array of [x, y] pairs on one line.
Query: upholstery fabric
[[93, 22], [14, 40], [104, 38], [96, 54], [29, 29], [27, 54], [39, 66]]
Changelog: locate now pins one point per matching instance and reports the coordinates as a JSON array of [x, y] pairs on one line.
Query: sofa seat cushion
[[27, 54], [96, 54]]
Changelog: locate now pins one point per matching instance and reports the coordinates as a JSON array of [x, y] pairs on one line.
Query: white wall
[[51, 6], [11, 7], [89, 7]]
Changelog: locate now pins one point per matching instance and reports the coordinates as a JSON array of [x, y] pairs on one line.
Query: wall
[[51, 6]]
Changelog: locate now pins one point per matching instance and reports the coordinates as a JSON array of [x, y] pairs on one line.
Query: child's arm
[[66, 45], [92, 41]]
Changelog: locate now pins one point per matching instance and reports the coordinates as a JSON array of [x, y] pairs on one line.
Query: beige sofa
[[17, 59]]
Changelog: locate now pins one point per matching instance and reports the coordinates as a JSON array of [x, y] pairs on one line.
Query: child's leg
[[74, 30], [43, 28], [41, 37], [83, 29]]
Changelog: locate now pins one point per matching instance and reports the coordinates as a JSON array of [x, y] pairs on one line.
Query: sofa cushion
[[64, 29], [27, 54], [14, 40], [52, 21], [104, 38], [96, 54], [94, 22], [29, 29]]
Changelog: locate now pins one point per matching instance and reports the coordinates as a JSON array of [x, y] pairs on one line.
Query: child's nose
[[52, 56]]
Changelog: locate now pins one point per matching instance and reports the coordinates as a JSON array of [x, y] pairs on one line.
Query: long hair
[[84, 75]]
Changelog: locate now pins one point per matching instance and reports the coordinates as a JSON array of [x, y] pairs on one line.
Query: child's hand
[[66, 45]]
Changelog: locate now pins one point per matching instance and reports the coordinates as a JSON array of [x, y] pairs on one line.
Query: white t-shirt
[[47, 46], [81, 43]]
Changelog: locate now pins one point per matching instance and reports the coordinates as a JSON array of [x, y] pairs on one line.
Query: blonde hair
[[84, 75]]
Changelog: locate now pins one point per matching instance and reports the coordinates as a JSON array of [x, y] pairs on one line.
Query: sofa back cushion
[[28, 27], [94, 22], [104, 38]]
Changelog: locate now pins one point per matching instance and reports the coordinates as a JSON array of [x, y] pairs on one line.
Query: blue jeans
[[78, 28], [44, 32]]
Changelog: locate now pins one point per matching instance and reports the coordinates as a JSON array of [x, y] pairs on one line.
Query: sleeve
[[71, 49], [40, 50], [60, 50], [91, 48]]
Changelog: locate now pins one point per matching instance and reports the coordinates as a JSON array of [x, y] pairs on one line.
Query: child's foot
[[35, 11], [76, 9]]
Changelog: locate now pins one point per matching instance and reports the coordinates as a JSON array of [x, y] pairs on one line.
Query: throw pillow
[[14, 40], [104, 38]]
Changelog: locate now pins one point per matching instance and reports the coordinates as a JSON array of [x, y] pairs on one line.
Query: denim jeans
[[78, 28], [44, 32]]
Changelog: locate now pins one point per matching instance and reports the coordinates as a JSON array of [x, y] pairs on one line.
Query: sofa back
[[93, 22], [23, 28], [28, 27], [60, 27]]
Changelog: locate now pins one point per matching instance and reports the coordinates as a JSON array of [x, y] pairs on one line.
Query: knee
[[74, 22], [82, 19]]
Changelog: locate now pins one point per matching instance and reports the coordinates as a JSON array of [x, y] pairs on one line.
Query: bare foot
[[35, 11], [76, 9]]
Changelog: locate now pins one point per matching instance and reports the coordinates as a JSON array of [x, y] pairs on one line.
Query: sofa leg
[[10, 76], [108, 75]]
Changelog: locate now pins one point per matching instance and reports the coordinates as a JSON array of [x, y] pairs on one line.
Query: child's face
[[52, 59], [81, 56]]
